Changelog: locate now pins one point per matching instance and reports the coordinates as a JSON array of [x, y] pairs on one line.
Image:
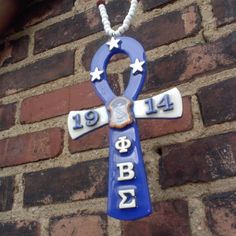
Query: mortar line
[[152, 143]]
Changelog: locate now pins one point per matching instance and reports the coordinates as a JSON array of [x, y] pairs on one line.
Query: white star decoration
[[137, 66], [113, 43], [96, 75]]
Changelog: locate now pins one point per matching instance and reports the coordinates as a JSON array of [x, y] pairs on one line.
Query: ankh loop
[[128, 193]]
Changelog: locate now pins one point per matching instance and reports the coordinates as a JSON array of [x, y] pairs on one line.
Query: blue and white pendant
[[128, 193]]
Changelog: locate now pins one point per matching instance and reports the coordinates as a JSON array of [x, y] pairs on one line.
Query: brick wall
[[51, 185]]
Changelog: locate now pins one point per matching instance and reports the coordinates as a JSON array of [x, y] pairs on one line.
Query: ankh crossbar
[[128, 193]]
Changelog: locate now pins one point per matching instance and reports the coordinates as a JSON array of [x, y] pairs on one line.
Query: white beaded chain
[[126, 23]]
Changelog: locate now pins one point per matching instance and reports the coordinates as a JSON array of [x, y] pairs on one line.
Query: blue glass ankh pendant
[[128, 193]]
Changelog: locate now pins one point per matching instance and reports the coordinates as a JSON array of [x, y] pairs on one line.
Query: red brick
[[169, 218], [200, 160], [7, 116], [82, 181], [168, 28], [93, 140], [224, 11], [160, 30], [150, 128], [14, 51], [31, 147], [94, 225], [190, 63], [218, 102], [7, 185], [221, 213], [62, 101], [40, 72], [79, 26], [20, 228], [42, 10], [151, 4]]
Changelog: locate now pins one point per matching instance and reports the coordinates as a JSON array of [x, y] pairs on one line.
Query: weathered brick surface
[[78, 225], [14, 51], [218, 102], [90, 50], [31, 147], [79, 182], [79, 26], [150, 128], [42, 10], [94, 140], [20, 228], [151, 4], [43, 71], [169, 218], [221, 213], [168, 28], [158, 31], [224, 11], [190, 62], [62, 101], [7, 185], [7, 116], [201, 160]]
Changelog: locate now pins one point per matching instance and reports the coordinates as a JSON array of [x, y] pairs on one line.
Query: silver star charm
[[113, 43], [96, 75], [137, 66]]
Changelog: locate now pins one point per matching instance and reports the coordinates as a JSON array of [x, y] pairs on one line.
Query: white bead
[[131, 14], [121, 30], [117, 33], [126, 23], [128, 17], [105, 18], [104, 15], [111, 31], [107, 28], [135, 2], [102, 6], [102, 10], [133, 7], [132, 11], [126, 26], [106, 21]]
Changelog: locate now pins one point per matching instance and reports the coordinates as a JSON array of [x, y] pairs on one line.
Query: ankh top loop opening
[[134, 50]]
